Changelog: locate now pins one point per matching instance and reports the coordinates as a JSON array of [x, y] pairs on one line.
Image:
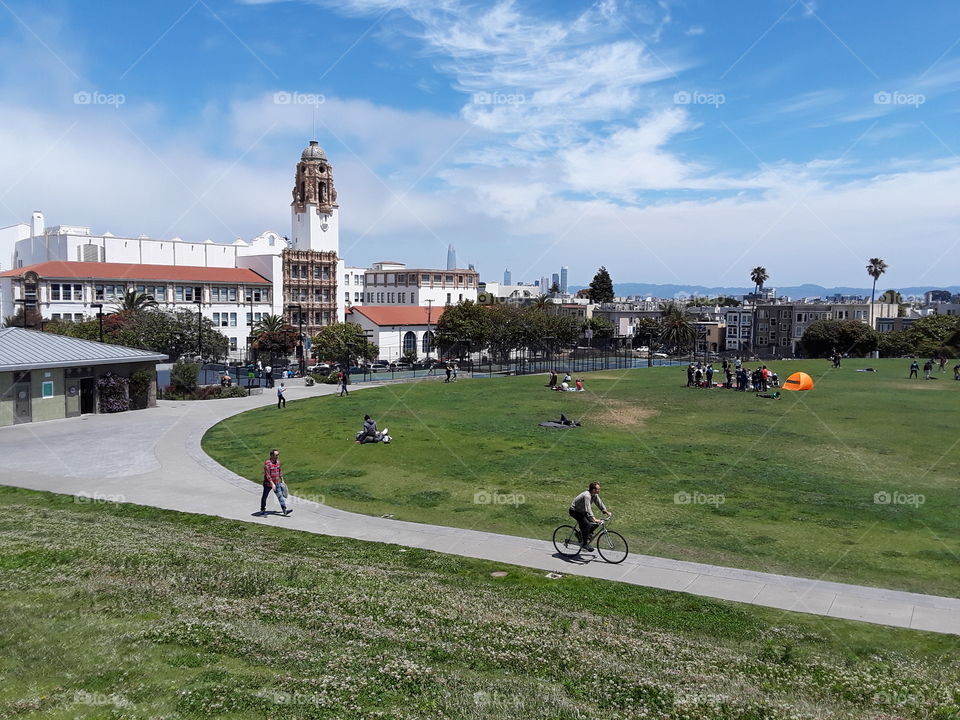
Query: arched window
[[427, 343], [409, 342]]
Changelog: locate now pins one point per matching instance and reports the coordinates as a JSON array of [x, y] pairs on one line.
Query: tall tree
[[677, 331], [133, 301], [462, 326], [759, 276], [345, 343], [601, 287], [875, 268], [271, 323]]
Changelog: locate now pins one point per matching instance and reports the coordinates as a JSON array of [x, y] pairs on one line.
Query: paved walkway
[[153, 457]]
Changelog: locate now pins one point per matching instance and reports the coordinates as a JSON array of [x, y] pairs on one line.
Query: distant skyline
[[672, 142]]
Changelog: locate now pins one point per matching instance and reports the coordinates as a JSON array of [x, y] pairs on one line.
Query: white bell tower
[[314, 212]]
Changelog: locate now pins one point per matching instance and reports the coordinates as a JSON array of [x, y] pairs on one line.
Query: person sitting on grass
[[553, 380], [579, 385], [775, 395], [369, 430]]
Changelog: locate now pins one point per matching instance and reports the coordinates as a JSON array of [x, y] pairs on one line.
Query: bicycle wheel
[[566, 540], [612, 546]]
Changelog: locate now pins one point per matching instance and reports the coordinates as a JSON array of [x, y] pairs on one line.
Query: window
[[47, 389], [470, 280], [233, 343], [55, 291], [461, 297], [448, 298], [326, 317], [216, 319], [346, 298], [77, 291], [77, 317], [448, 279], [356, 297], [409, 342], [425, 278], [459, 279], [427, 343], [316, 272], [317, 318], [55, 316], [438, 279], [402, 278], [233, 319], [346, 279], [391, 278]]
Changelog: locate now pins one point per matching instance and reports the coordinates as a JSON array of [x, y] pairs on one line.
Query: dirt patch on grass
[[587, 377], [619, 413], [919, 385]]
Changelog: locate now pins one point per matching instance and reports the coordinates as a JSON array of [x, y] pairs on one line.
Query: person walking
[[281, 400], [927, 369], [449, 373], [343, 380], [268, 374], [709, 374], [272, 482], [914, 369]]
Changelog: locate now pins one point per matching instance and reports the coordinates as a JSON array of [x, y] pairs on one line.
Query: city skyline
[[674, 143]]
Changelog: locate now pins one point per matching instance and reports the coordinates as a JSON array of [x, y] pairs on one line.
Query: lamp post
[[250, 334], [99, 307], [199, 304], [429, 337], [300, 323]]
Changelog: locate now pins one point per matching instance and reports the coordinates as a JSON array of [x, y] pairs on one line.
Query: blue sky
[[669, 141]]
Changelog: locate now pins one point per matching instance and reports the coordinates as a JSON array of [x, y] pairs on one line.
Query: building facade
[[234, 299], [392, 283], [398, 331]]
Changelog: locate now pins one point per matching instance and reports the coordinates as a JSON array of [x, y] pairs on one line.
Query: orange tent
[[798, 381]]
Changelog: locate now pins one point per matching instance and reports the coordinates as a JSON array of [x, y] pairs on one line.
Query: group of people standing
[[928, 368], [760, 379]]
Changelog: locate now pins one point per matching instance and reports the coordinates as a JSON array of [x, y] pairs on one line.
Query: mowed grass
[[788, 486], [126, 612]]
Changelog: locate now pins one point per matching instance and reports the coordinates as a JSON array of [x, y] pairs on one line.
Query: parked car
[[380, 366], [660, 355], [358, 370]]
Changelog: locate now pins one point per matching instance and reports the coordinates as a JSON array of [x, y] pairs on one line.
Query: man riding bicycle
[[581, 511]]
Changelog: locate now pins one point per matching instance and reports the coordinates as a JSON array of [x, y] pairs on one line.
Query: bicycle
[[611, 545]]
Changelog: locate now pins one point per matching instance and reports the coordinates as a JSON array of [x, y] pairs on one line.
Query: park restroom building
[[46, 377]]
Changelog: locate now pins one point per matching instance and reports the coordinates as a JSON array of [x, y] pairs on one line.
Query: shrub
[[184, 376], [330, 379], [233, 392], [112, 389], [140, 388]]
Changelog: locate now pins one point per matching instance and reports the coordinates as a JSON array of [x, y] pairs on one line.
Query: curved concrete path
[[153, 457]]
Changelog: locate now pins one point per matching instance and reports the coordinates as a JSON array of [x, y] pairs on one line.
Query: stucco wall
[[50, 408], [6, 398]]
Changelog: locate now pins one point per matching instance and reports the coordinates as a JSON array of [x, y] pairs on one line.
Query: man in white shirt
[[581, 511]]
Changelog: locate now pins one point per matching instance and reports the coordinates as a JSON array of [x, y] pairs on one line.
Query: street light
[[99, 307], [300, 319], [199, 304], [429, 337]]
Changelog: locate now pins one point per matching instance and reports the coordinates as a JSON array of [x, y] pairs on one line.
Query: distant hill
[[794, 291]]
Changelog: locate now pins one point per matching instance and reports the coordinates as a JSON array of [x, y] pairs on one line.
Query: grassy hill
[[796, 485], [114, 611]]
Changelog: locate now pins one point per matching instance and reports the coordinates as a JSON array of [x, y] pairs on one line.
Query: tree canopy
[[601, 287], [345, 343], [852, 337]]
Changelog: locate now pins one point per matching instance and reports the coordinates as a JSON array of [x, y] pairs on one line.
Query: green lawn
[[123, 612], [798, 476]]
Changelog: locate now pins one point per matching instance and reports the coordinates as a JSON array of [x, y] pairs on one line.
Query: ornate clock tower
[[315, 214], [311, 264]]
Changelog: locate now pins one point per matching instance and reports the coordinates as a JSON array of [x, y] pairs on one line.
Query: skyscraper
[[507, 277], [451, 257], [544, 285], [556, 280], [563, 278]]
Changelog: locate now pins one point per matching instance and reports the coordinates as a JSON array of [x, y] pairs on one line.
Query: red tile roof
[[398, 314], [133, 271]]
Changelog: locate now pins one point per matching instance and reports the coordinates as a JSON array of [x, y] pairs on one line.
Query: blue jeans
[[266, 494]]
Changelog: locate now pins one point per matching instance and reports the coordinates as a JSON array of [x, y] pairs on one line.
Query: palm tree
[[270, 323], [875, 268], [678, 331], [759, 276], [133, 301]]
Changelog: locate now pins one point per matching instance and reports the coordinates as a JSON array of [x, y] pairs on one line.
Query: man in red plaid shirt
[[272, 477]]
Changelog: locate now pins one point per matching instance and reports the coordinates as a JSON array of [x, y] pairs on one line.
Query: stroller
[[380, 436]]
